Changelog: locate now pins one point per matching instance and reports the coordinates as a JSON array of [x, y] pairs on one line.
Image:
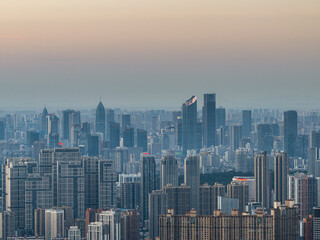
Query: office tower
[[43, 119], [93, 145], [91, 194], [142, 139], [302, 146], [192, 178], [241, 161], [128, 137], [303, 189], [148, 182], [221, 117], [110, 119], [114, 135], [38, 195], [265, 138], [70, 186], [285, 221], [69, 117], [240, 191], [2, 131], [208, 197], [179, 198], [125, 121], [281, 170], [290, 131], [262, 179], [221, 136], [314, 140], [97, 231], [227, 204], [121, 159], [130, 190], [39, 222], [54, 224], [74, 233], [189, 125], [235, 136], [74, 135], [53, 124], [157, 207], [316, 223], [209, 120], [168, 171], [107, 184], [101, 119], [16, 172], [218, 226], [32, 136], [246, 123], [130, 225]]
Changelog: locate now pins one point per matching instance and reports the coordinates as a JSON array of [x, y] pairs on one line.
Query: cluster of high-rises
[[115, 174]]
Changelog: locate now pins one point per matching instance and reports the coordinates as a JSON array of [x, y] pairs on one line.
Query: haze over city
[[144, 54]]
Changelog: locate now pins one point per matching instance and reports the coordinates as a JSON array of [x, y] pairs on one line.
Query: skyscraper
[[128, 137], [290, 131], [125, 121], [110, 119], [240, 191], [209, 120], [265, 138], [192, 178], [114, 135], [246, 123], [262, 179], [281, 169], [107, 184], [70, 117], [101, 119], [189, 125], [2, 130], [179, 198], [235, 136], [148, 182], [221, 117], [142, 139], [168, 171], [157, 207], [44, 122], [208, 196], [54, 224]]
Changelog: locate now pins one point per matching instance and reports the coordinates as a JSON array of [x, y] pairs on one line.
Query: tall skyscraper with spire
[[189, 124], [209, 120], [101, 119]]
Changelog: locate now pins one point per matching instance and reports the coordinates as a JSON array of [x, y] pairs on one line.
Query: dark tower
[[209, 120], [189, 124], [101, 119], [290, 131]]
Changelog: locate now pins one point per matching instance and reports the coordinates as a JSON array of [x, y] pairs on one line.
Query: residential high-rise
[[38, 195], [128, 137], [114, 135], [101, 119], [54, 224], [189, 125], [262, 179], [97, 231], [192, 178], [290, 131], [148, 182], [91, 173], [241, 161], [130, 190], [70, 117], [142, 139], [107, 184], [314, 139], [209, 120], [281, 170], [179, 198], [125, 121], [246, 123], [313, 156], [240, 191], [316, 223], [157, 207], [285, 221], [111, 218], [208, 196], [168, 171], [130, 225], [39, 222], [221, 117], [74, 233], [265, 138], [70, 187]]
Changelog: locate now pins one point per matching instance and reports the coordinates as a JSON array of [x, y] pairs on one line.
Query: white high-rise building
[[54, 224]]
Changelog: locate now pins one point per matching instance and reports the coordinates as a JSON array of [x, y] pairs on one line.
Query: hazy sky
[[157, 53]]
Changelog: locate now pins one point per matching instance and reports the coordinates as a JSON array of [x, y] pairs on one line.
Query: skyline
[[152, 55]]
